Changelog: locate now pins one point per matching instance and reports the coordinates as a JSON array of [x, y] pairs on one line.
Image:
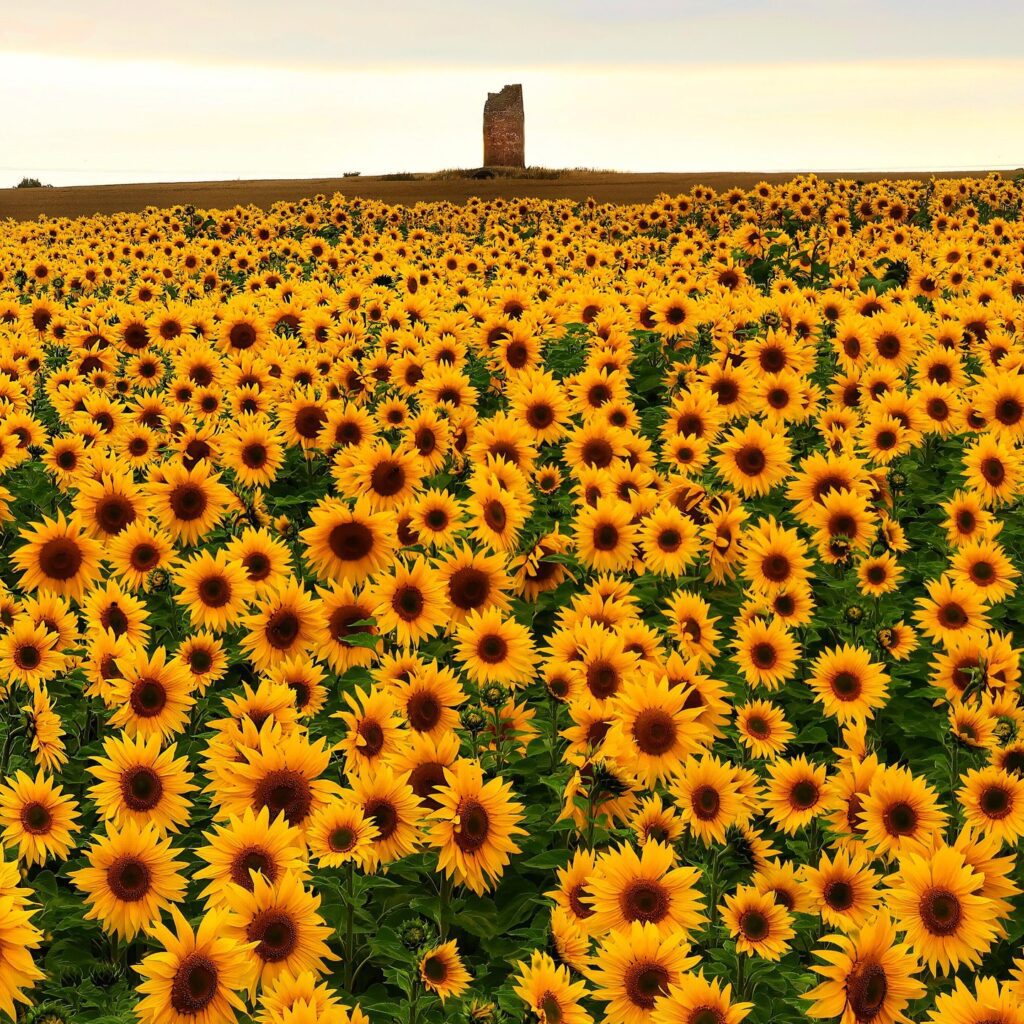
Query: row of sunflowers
[[516, 611]]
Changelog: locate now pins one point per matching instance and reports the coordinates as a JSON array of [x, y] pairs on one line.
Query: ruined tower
[[504, 140]]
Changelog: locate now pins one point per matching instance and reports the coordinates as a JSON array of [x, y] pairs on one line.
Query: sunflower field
[[524, 611]]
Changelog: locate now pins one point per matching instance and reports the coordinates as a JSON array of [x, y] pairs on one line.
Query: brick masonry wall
[[504, 128]]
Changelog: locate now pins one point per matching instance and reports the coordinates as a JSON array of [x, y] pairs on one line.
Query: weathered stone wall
[[504, 128]]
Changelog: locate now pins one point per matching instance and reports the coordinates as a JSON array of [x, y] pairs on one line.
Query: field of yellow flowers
[[518, 611]]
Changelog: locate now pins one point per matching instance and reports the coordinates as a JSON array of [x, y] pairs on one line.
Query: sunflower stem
[[444, 906], [350, 917], [553, 707], [741, 980]]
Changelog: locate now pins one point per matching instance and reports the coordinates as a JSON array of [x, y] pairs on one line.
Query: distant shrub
[[400, 176], [29, 183], [351, 174]]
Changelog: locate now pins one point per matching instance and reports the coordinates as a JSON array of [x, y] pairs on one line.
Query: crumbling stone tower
[[504, 137]]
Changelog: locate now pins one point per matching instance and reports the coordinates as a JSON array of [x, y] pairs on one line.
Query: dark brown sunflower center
[[645, 983], [839, 895], [423, 710], [252, 858], [276, 934], [128, 878], [148, 697], [188, 502], [940, 911], [408, 602], [654, 731], [474, 826], [705, 802], [60, 558], [36, 818], [284, 791], [141, 788], [644, 900], [195, 984], [469, 588], [283, 629], [900, 819], [866, 989]]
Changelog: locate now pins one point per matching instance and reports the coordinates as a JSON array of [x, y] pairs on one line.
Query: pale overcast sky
[[110, 91]]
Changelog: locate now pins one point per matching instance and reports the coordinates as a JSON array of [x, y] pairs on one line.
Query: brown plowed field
[[23, 204]]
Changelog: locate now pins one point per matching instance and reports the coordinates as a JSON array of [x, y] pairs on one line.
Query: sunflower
[[994, 470], [757, 923], [280, 771], [188, 503], [428, 701], [990, 1001], [474, 581], [139, 783], [548, 990], [348, 543], [848, 684], [131, 878], [774, 558], [654, 728], [248, 844], [388, 801], [984, 565], [497, 513], [374, 730], [669, 540], [409, 601], [267, 562], [494, 648], [48, 747], [636, 968], [108, 607], [109, 503], [571, 943], [203, 656], [951, 610], [899, 810], [650, 888], [152, 695], [283, 625], [57, 557], [844, 890], [879, 574], [763, 728], [937, 903], [253, 450], [766, 652], [386, 479], [605, 535], [796, 793], [340, 833], [753, 459], [18, 937], [707, 797], [283, 921], [436, 518], [869, 977], [694, 1000], [196, 977], [443, 972], [214, 589], [29, 654], [993, 802], [283, 999], [138, 550], [474, 826], [842, 522], [38, 817], [693, 626]]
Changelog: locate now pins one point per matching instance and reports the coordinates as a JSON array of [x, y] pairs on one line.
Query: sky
[[109, 91]]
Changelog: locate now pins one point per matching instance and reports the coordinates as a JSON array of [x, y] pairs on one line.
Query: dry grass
[[454, 185]]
